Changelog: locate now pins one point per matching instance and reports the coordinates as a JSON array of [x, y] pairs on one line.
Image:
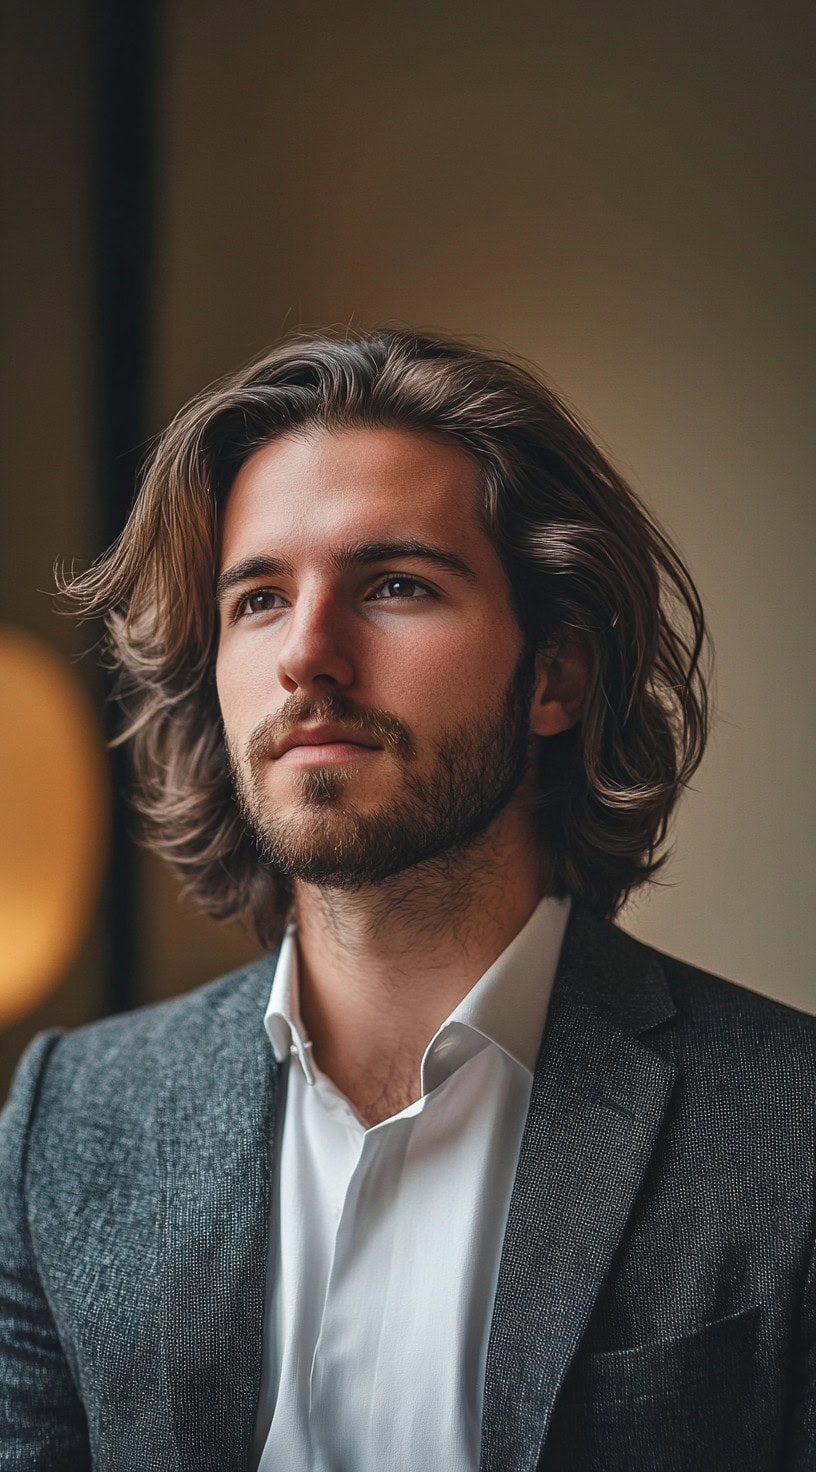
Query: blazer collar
[[598, 1099], [217, 1120]]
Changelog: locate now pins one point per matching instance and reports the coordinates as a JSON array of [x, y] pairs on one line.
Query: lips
[[322, 736]]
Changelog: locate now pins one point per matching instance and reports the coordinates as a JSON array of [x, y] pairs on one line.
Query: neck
[[381, 968]]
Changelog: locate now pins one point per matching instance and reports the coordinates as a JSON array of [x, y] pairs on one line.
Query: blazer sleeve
[[800, 1447], [43, 1427]]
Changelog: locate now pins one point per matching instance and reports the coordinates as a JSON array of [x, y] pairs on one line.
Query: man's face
[[419, 658]]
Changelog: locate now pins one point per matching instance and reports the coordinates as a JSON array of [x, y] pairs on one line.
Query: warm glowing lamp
[[54, 801]]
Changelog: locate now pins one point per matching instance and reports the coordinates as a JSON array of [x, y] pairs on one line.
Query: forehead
[[318, 487]]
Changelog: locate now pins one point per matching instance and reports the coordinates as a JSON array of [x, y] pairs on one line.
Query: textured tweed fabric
[[656, 1302]]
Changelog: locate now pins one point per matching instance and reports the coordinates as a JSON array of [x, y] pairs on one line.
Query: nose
[[314, 652]]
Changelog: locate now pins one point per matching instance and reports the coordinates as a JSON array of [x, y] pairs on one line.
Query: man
[[460, 1175]]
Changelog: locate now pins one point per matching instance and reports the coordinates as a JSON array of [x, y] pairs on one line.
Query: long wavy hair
[[579, 549]]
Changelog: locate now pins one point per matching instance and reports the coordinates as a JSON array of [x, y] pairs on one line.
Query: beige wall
[[620, 196]]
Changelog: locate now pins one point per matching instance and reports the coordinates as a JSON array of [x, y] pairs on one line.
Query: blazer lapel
[[217, 1117], [597, 1102]]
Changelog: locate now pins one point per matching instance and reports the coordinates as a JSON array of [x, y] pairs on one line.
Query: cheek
[[239, 686], [454, 675]]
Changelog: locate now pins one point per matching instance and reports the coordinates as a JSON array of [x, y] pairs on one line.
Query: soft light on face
[[327, 618]]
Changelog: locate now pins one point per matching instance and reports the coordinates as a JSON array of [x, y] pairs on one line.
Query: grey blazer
[[656, 1300]]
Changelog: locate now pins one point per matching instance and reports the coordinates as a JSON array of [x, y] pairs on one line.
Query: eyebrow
[[356, 554]]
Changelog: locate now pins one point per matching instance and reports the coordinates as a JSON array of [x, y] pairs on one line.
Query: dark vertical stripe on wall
[[124, 123]]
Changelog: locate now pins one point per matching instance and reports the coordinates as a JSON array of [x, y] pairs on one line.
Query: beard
[[478, 766]]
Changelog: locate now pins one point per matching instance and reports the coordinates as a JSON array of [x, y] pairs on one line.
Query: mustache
[[379, 726]]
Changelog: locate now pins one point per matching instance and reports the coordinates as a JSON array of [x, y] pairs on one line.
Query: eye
[[253, 603], [401, 579]]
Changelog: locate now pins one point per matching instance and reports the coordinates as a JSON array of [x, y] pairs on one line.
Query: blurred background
[[623, 195]]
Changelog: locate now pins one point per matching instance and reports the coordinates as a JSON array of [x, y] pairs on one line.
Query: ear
[[563, 670]]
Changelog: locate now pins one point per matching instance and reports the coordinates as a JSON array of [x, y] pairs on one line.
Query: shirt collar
[[507, 1006]]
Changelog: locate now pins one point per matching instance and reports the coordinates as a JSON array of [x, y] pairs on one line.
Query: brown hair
[[579, 550]]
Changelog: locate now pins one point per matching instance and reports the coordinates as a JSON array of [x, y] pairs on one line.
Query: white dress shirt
[[384, 1243]]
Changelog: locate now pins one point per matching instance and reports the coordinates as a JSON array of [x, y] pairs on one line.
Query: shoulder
[[121, 1060], [697, 995], [718, 1031], [703, 997], [728, 1038]]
